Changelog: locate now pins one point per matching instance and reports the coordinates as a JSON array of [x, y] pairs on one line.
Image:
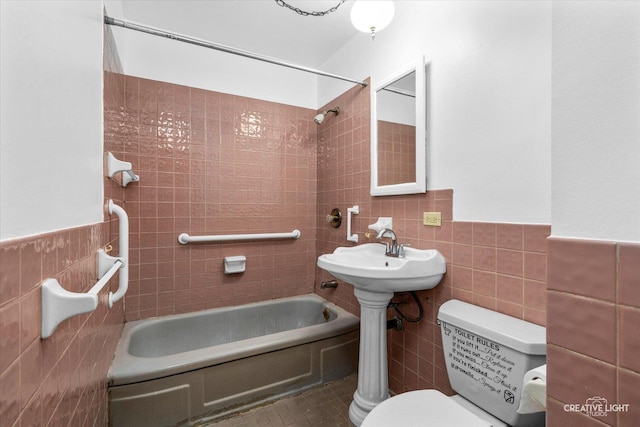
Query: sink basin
[[367, 267]]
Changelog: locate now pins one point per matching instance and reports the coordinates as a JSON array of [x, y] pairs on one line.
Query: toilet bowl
[[429, 408], [487, 356]]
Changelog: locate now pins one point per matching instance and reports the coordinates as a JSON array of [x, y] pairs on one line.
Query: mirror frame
[[420, 185]]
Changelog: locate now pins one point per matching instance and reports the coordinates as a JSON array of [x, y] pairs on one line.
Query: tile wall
[[212, 163], [497, 266], [593, 318], [61, 380]]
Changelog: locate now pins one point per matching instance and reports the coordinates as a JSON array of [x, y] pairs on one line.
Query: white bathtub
[[179, 370]]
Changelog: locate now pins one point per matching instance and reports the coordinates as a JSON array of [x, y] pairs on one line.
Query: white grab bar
[[58, 304], [185, 238], [109, 274], [123, 252], [352, 211]]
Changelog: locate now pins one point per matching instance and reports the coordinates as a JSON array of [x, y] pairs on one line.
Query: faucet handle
[[401, 249]]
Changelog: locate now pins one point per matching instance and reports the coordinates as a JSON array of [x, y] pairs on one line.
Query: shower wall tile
[[592, 316], [213, 163], [498, 266]]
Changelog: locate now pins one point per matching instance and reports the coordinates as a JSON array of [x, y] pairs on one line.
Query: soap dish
[[234, 264]]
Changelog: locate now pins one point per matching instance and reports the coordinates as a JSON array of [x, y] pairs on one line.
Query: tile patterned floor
[[326, 405]]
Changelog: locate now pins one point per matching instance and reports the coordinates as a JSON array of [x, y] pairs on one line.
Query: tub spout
[[329, 284]]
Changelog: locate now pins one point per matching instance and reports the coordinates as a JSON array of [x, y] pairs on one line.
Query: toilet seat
[[422, 408]]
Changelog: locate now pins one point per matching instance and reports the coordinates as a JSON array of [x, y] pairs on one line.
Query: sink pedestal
[[373, 381], [375, 277]]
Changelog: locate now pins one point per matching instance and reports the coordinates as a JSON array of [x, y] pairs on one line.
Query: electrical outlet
[[433, 219]]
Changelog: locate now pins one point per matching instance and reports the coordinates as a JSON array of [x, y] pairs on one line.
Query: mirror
[[398, 132]]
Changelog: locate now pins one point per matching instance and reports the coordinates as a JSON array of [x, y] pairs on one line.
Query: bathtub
[[193, 368]]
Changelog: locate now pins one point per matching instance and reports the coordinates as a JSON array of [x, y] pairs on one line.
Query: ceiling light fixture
[[372, 16]]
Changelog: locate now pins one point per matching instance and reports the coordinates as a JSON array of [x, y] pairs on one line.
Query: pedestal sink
[[376, 277]]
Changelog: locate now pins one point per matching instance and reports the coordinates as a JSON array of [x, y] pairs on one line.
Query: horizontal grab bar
[[185, 238], [109, 274]]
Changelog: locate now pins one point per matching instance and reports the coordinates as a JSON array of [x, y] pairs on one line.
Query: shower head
[[320, 117]]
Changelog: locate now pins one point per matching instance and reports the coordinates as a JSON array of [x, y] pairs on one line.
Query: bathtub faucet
[[329, 284], [393, 248]]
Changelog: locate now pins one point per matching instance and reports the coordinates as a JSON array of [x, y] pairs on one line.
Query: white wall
[[490, 100], [596, 120], [50, 116], [158, 58]]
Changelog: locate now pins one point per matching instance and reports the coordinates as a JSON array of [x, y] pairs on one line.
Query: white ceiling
[[259, 26]]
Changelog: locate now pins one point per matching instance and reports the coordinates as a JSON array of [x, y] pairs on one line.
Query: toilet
[[487, 355]]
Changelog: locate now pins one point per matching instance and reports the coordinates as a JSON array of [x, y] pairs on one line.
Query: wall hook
[[114, 166]]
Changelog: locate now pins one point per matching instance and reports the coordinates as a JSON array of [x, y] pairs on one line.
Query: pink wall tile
[[40, 371], [484, 258], [484, 234], [629, 394], [595, 334], [535, 266], [574, 378], [10, 274], [629, 344], [535, 238], [510, 262], [583, 267], [510, 236], [510, 289], [557, 414], [576, 323], [463, 232], [629, 274]]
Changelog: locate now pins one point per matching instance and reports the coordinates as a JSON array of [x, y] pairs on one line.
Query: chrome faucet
[[393, 249]]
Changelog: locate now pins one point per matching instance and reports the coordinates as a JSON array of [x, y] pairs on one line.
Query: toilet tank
[[487, 354]]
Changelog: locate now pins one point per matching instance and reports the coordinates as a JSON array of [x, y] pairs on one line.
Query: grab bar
[[58, 304], [185, 238], [123, 251], [352, 211]]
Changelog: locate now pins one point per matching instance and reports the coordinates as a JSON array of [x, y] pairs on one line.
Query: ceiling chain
[[305, 13]]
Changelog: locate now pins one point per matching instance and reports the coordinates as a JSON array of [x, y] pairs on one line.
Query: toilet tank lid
[[525, 337]]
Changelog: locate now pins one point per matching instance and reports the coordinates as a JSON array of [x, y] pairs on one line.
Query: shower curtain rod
[[223, 48]]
